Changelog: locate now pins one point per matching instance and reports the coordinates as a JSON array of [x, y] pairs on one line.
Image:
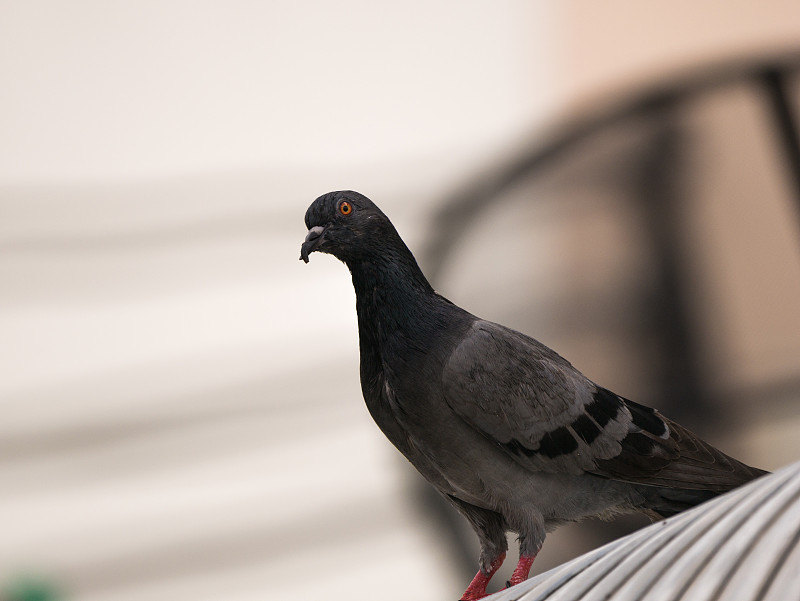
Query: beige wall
[[604, 46]]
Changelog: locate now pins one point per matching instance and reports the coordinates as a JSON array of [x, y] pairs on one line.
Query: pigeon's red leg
[[522, 570], [477, 588]]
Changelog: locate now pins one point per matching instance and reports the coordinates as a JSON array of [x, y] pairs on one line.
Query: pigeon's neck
[[393, 298], [404, 327]]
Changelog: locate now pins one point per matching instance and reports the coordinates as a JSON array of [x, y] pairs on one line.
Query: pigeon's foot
[[477, 588], [522, 570]]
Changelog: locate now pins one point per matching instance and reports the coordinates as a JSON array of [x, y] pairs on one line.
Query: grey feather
[[523, 396]]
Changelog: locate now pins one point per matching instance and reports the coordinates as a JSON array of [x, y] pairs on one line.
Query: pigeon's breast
[[446, 450]]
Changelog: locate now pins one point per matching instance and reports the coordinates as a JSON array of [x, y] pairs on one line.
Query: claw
[[477, 588]]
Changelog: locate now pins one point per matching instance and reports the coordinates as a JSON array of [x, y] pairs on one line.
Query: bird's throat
[[391, 299]]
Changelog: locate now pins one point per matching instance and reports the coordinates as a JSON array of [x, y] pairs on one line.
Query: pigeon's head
[[347, 225]]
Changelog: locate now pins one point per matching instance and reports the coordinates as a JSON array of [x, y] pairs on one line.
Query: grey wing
[[532, 402], [549, 417]]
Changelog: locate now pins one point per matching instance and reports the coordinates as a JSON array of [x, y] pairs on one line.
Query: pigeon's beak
[[315, 237]]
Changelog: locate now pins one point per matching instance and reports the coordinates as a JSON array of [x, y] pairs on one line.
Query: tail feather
[[667, 501]]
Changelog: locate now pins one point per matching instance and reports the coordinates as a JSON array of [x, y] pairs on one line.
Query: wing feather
[[545, 414]]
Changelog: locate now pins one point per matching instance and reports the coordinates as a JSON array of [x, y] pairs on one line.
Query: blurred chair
[[630, 238]]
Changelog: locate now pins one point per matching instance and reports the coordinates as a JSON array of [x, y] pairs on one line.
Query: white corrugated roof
[[741, 546]]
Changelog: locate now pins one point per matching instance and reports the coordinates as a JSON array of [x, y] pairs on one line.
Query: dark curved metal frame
[[772, 76]]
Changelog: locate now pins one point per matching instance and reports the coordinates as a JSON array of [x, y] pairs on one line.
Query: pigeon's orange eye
[[345, 208]]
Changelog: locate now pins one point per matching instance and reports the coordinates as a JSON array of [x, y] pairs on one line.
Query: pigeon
[[513, 435]]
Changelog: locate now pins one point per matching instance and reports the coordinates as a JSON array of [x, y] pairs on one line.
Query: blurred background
[[182, 415]]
